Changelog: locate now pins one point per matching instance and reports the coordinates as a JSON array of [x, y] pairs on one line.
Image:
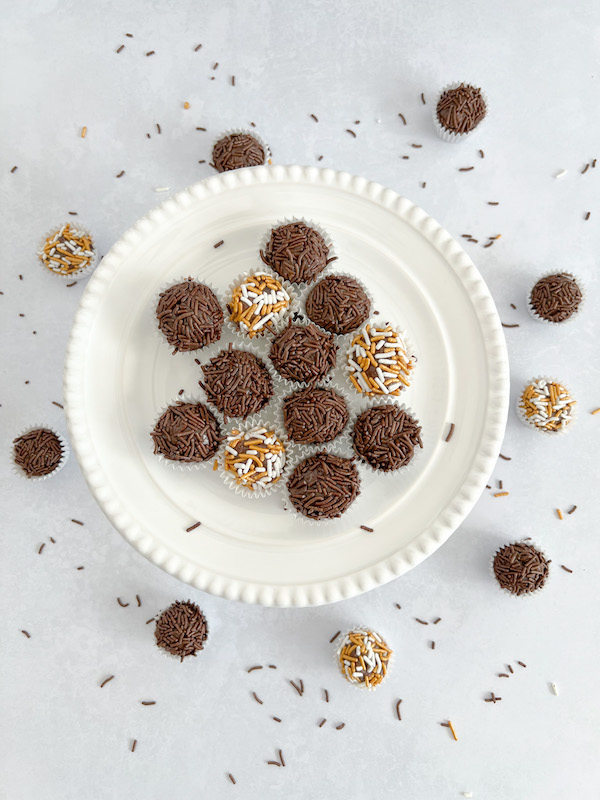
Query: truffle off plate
[[118, 375]]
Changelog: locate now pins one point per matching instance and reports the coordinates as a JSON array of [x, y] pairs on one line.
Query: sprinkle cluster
[[257, 303], [547, 405], [256, 457], [67, 251], [364, 657], [378, 361]]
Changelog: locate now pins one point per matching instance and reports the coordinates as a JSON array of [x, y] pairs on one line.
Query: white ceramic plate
[[119, 374]]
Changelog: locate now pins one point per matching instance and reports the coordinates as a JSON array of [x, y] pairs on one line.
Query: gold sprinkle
[[559, 513], [186, 105], [501, 494], [83, 132], [451, 726]]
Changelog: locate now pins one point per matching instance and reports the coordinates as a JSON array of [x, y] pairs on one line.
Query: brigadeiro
[[385, 437], [297, 252], [363, 658], [460, 109], [546, 405], [189, 316], [555, 298], [303, 353], [314, 415], [338, 304], [181, 630], [520, 568], [187, 433], [323, 486], [39, 453], [237, 383], [237, 150]]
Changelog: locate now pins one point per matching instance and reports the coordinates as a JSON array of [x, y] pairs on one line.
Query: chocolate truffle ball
[[187, 432], [38, 452], [237, 383], [237, 150], [520, 568], [303, 353], [556, 298], [460, 110], [189, 316], [386, 436], [323, 486], [374, 662], [546, 405], [181, 630], [314, 415], [297, 252], [338, 304]]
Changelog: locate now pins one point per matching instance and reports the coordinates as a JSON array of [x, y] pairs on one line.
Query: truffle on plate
[[323, 486], [189, 316], [187, 432], [314, 415], [258, 302], [254, 458], [303, 353], [385, 437], [378, 361], [237, 383], [297, 252], [338, 304]]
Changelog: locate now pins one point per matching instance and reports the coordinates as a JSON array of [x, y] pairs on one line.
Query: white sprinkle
[[162, 189], [467, 794], [554, 688], [561, 174]]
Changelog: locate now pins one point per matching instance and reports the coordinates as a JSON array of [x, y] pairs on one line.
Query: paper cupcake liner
[[302, 286], [341, 444], [258, 421], [336, 656], [66, 450], [410, 350], [250, 132], [338, 337], [318, 523], [533, 314], [277, 325], [154, 321], [415, 461], [506, 592], [450, 136], [81, 274], [184, 466], [530, 425]]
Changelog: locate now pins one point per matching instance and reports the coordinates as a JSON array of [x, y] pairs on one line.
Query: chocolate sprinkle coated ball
[[520, 568], [236, 151], [314, 415], [189, 316], [181, 630], [237, 383], [296, 252], [323, 486], [556, 297], [386, 436], [303, 353], [338, 304], [38, 452], [462, 109], [187, 432]]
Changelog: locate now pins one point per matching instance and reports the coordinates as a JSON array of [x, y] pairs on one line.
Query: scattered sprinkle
[[521, 664], [465, 169], [150, 52], [450, 432], [123, 605], [27, 634], [422, 98], [451, 726], [444, 725], [500, 484], [594, 164], [596, 411], [71, 284], [493, 203], [258, 666], [297, 688], [503, 675], [334, 637], [233, 80], [435, 621], [489, 244], [193, 527], [157, 128], [433, 645], [424, 184], [398, 714], [106, 680], [513, 306], [403, 118], [130, 35], [559, 513], [73, 213], [316, 119], [571, 510], [585, 169], [198, 46], [80, 567], [366, 528], [148, 702], [506, 325], [492, 699], [554, 688], [505, 458], [416, 146], [133, 744], [218, 244], [215, 65], [274, 763], [482, 154], [121, 47], [257, 698], [501, 494], [186, 105], [340, 726], [326, 695], [588, 215], [14, 169], [566, 569], [139, 602], [561, 174], [53, 540], [276, 719], [231, 778], [162, 189], [148, 621], [41, 548], [422, 621], [399, 606], [323, 721], [83, 132], [320, 158], [351, 132], [77, 521], [510, 669], [281, 758], [120, 175]]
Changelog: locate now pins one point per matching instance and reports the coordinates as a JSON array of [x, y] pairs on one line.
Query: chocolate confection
[[303, 353], [189, 316], [237, 150], [461, 109], [556, 297], [187, 432], [237, 383], [297, 252], [37, 452], [314, 415], [520, 568], [386, 436], [323, 486], [181, 630], [338, 304]]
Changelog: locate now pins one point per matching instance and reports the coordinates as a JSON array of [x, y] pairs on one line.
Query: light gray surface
[[63, 737]]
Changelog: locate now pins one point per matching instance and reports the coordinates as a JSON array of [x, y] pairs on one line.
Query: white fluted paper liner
[[339, 337], [410, 350], [331, 258], [253, 422], [574, 316], [361, 629], [409, 468], [154, 305], [342, 443], [277, 325], [531, 425], [184, 466], [292, 386], [250, 132], [444, 133], [64, 458], [81, 274], [508, 593], [326, 522]]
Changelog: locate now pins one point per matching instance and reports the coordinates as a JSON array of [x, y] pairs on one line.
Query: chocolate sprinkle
[[187, 432], [316, 119], [403, 118], [323, 486], [218, 244], [520, 568], [385, 437], [237, 383], [323, 721], [123, 605], [303, 353], [338, 304], [258, 666], [193, 527], [257, 698], [450, 432], [106, 680], [334, 637], [461, 109], [566, 569], [77, 521], [139, 602], [231, 778], [181, 630], [27, 634], [297, 252], [189, 316], [340, 726], [41, 548], [366, 528], [556, 297], [314, 415], [398, 714], [237, 150], [38, 452], [133, 744]]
